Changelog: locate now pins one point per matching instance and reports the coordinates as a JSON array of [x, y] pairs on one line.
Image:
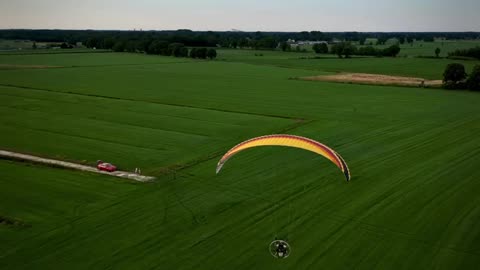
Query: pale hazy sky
[[246, 15]]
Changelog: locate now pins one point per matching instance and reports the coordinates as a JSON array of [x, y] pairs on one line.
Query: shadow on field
[[13, 222]]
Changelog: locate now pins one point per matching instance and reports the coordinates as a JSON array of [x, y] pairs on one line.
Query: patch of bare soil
[[378, 79], [9, 66]]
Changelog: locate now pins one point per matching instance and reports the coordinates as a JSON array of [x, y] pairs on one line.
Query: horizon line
[[232, 30]]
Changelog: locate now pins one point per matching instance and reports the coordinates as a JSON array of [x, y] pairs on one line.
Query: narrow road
[[75, 166]]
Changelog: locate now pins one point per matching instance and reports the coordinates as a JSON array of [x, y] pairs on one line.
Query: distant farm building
[[294, 43]]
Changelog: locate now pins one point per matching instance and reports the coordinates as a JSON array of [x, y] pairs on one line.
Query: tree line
[[346, 49], [161, 47], [472, 53], [229, 39]]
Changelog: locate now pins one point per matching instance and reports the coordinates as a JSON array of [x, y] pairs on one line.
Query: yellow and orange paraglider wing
[[289, 141]]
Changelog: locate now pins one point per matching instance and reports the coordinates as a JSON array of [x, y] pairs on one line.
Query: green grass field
[[402, 66], [414, 153], [420, 48]]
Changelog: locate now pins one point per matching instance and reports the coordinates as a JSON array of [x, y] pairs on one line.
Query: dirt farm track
[[75, 166]]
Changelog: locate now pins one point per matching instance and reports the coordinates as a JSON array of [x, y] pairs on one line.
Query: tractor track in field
[[152, 102], [163, 171], [177, 168], [70, 165]]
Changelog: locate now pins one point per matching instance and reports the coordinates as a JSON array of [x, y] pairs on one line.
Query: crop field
[[160, 135], [414, 153], [420, 48], [403, 66]]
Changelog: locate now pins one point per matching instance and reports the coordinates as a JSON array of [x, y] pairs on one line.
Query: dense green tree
[[362, 40], [119, 46], [343, 49], [428, 39], [473, 81], [211, 53], [183, 52], [131, 46], [143, 44], [370, 51], [324, 47], [337, 49], [243, 43], [391, 51], [284, 46], [34, 45], [349, 49], [193, 53], [320, 48], [201, 53], [472, 52], [158, 47], [65, 45], [93, 42], [453, 75], [382, 40], [176, 49], [108, 43], [437, 52], [267, 42], [252, 44]]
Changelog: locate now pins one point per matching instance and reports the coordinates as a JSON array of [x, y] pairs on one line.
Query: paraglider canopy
[[288, 141]]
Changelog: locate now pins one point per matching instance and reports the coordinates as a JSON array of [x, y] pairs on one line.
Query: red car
[[103, 166]]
